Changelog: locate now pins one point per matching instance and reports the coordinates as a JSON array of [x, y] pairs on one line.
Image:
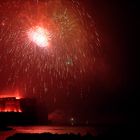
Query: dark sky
[[117, 22], [110, 89]]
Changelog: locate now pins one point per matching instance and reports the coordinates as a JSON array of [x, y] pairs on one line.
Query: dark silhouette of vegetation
[[49, 136]]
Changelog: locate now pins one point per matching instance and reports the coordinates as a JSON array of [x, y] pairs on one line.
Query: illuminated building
[[21, 111], [14, 110], [10, 104]]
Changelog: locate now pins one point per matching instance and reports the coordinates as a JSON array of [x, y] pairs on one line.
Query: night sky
[[87, 65]]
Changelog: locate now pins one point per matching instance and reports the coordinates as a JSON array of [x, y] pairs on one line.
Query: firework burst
[[39, 36], [67, 39]]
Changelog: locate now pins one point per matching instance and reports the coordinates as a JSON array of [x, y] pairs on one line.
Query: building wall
[[10, 104]]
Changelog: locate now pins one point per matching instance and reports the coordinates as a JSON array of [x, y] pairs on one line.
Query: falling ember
[[39, 36]]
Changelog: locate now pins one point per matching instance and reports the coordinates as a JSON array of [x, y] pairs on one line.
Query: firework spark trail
[[72, 50]]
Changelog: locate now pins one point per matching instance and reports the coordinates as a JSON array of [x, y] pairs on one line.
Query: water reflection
[[47, 129]]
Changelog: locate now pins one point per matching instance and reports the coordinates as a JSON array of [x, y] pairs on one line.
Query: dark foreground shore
[[49, 136], [100, 133], [4, 128]]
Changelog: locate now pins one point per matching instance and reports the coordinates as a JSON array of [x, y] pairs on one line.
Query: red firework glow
[[8, 94], [48, 42], [39, 36]]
